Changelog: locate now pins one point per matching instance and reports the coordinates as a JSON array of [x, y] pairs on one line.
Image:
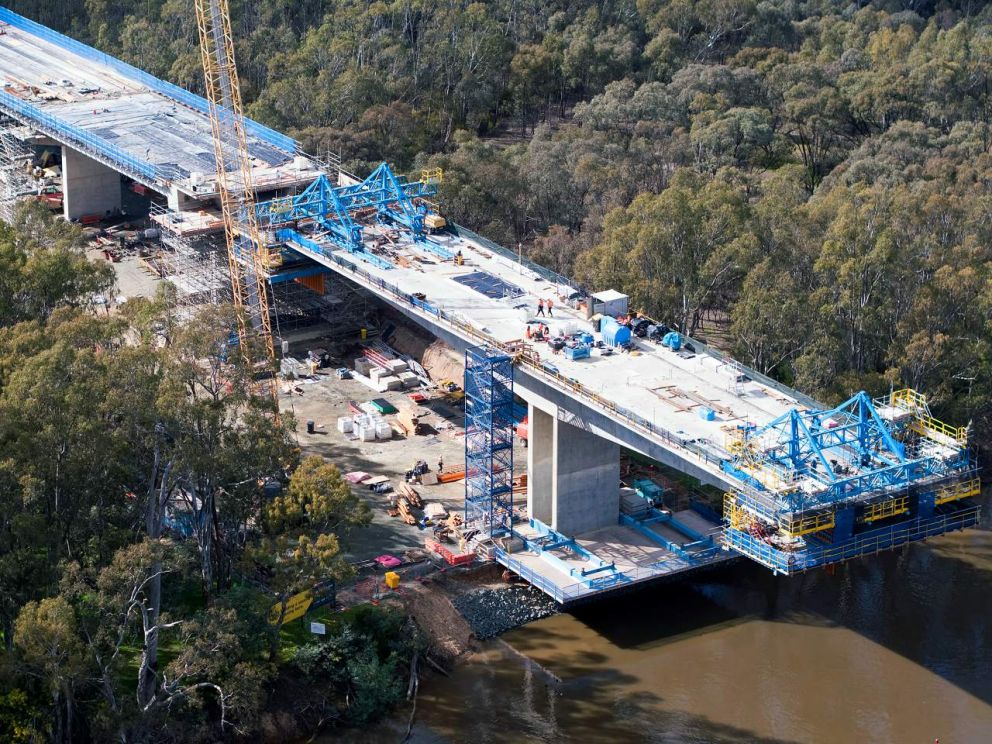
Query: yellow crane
[[248, 256]]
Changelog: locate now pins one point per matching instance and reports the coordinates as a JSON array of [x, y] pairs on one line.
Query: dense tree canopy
[[139, 552]]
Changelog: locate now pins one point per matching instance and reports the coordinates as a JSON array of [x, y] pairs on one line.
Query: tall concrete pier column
[[88, 186], [586, 492], [540, 463], [573, 476]]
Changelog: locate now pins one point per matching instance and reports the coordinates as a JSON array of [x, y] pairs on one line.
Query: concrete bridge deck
[[150, 130]]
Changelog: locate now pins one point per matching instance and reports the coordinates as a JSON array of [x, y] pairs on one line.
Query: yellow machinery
[[235, 186]]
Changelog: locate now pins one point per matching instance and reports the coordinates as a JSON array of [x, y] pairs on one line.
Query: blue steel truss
[[489, 440], [334, 208], [849, 450]]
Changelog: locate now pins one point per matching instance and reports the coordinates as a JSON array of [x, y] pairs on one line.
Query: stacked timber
[[411, 495]]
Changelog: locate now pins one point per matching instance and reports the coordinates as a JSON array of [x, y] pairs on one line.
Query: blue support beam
[[549, 540]]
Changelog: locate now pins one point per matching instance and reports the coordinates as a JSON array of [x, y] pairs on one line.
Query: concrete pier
[[88, 186], [573, 481]]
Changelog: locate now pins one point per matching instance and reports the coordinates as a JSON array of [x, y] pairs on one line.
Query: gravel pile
[[494, 611]]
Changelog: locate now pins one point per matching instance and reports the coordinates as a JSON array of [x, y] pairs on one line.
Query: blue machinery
[[820, 487], [327, 213], [489, 441]]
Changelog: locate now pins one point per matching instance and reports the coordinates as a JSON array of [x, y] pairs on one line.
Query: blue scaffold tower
[[488, 440]]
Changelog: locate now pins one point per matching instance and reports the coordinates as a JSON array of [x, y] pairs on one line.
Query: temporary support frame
[[489, 440], [15, 183]]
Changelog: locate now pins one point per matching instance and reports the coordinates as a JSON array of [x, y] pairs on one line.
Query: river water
[[891, 648]]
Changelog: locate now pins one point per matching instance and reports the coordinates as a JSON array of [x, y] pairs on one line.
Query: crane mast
[[247, 255]]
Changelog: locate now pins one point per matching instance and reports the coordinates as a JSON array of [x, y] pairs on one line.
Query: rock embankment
[[494, 611]]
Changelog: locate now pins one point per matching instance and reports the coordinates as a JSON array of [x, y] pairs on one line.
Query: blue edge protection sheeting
[[169, 90]]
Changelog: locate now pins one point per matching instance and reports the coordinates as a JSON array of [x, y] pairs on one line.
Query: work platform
[[610, 559]]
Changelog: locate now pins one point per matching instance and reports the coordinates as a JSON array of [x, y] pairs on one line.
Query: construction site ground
[[324, 399]]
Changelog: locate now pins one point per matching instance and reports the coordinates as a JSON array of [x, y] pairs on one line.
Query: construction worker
[[550, 305], [540, 308], [440, 465]]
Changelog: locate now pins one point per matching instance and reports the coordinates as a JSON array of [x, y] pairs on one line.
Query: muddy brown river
[[893, 648]]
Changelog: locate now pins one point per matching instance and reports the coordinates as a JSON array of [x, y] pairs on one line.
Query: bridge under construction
[[806, 484]]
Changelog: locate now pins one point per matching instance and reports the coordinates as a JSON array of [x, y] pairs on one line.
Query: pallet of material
[[452, 559], [383, 406], [632, 504], [411, 495]]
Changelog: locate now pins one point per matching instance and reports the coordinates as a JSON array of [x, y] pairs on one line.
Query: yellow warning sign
[[296, 607]]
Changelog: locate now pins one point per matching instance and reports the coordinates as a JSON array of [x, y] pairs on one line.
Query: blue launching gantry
[[823, 486], [323, 217]]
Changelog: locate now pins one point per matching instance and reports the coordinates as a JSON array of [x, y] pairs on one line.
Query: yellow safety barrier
[[955, 491], [735, 514], [928, 426], [797, 525], [883, 509], [909, 399], [925, 424], [432, 175]]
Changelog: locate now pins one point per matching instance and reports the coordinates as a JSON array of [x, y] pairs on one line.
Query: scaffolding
[[15, 160], [488, 441], [194, 264]]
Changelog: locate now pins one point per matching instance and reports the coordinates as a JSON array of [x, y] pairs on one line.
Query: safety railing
[[908, 399], [162, 87], [786, 562], [94, 146], [956, 491], [928, 426], [797, 525], [885, 509], [924, 423]]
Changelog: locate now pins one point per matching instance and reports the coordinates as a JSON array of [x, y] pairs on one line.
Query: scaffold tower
[[488, 440]]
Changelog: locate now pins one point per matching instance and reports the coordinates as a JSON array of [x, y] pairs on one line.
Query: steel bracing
[[489, 440], [335, 211], [822, 486]]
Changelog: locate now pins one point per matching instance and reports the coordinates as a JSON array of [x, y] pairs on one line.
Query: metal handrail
[[92, 145], [792, 562]]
